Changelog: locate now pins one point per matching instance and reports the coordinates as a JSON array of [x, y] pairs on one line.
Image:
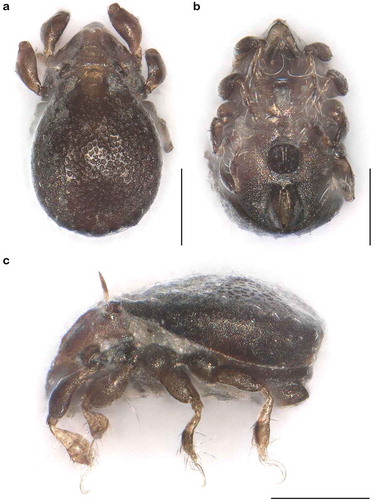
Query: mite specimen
[[96, 157], [278, 159], [230, 334]]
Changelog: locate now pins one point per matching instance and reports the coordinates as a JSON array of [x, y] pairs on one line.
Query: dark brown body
[[278, 158], [97, 167], [231, 334], [96, 157]]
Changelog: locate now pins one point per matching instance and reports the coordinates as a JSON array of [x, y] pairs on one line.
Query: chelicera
[[278, 157], [232, 335], [96, 157]]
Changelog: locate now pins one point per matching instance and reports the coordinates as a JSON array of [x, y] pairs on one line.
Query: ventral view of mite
[[96, 157], [224, 337], [278, 158]]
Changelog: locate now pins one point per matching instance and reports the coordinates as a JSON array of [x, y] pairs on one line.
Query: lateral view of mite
[[96, 157], [219, 336], [278, 158]]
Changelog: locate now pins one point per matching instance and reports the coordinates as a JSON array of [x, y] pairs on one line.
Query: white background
[[328, 443]]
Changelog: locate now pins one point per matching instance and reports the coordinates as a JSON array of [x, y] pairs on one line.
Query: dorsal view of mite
[[225, 337], [278, 158], [96, 156]]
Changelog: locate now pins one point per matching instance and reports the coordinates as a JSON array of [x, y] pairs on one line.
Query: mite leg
[[78, 448], [336, 126], [161, 126], [243, 380], [217, 133], [345, 179], [225, 114], [244, 53], [247, 46], [162, 363], [319, 50], [291, 393], [229, 84], [208, 369], [229, 176], [336, 129], [128, 27], [226, 111], [52, 30], [335, 84], [156, 69], [234, 87], [179, 385], [26, 68], [103, 391]]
